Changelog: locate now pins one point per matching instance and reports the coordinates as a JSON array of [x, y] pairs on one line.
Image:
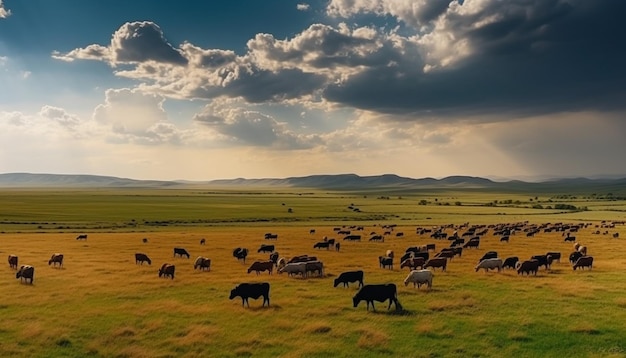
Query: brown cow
[[437, 262], [260, 266], [13, 261], [56, 259], [413, 263], [167, 270], [202, 263]]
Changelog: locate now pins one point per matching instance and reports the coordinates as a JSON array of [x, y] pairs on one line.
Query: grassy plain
[[102, 304]]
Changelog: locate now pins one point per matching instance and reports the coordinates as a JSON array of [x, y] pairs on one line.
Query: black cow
[[574, 256], [582, 262], [510, 262], [25, 273], [274, 256], [543, 260], [504, 238], [240, 254], [81, 237], [349, 276], [270, 236], [144, 240], [56, 259], [141, 258], [266, 248], [380, 293], [528, 267], [353, 238], [385, 262], [202, 241], [253, 290], [556, 256], [167, 270], [337, 246], [180, 252], [489, 255], [377, 238], [321, 245]]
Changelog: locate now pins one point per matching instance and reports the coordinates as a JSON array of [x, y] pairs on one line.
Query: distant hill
[[331, 182]]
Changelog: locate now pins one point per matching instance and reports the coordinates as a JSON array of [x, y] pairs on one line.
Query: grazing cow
[[556, 256], [389, 253], [489, 255], [377, 238], [13, 261], [281, 263], [471, 243], [574, 256], [582, 262], [240, 254], [294, 268], [314, 266], [141, 258], [322, 245], [457, 242], [380, 293], [337, 246], [583, 250], [489, 264], [385, 262], [260, 266], [81, 237], [399, 234], [353, 238], [437, 262], [349, 276], [56, 259], [419, 277], [331, 242], [570, 238], [510, 262], [445, 254], [202, 241], [25, 273], [270, 236], [180, 252], [544, 260], [167, 270], [616, 235], [312, 231], [300, 258], [413, 263], [430, 247], [251, 290], [504, 239], [266, 248], [274, 258], [145, 241], [202, 263], [528, 267]]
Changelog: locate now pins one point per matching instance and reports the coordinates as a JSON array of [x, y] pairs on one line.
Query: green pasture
[[101, 304]]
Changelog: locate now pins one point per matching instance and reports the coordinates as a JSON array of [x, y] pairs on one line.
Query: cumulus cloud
[[60, 116], [133, 42], [247, 127], [135, 116], [425, 59], [4, 13], [303, 7]]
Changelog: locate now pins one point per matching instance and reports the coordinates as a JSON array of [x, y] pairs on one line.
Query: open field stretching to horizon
[[102, 304]]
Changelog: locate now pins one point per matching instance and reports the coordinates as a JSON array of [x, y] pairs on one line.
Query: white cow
[[490, 264], [419, 277], [294, 268]]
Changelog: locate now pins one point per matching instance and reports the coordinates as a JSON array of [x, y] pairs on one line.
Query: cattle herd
[[421, 261]]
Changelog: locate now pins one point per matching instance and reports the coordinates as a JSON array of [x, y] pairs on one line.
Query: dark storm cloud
[[529, 57]]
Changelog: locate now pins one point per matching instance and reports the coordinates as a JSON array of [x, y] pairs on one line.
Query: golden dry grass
[[102, 304]]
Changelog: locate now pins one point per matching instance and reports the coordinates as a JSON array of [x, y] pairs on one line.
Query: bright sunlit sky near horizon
[[201, 90]]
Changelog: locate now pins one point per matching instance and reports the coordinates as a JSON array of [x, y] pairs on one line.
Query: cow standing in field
[[167, 270], [56, 259], [82, 237], [181, 252], [260, 266], [202, 263], [25, 273], [13, 262], [349, 276], [141, 258], [380, 293], [251, 290], [240, 254], [266, 248]]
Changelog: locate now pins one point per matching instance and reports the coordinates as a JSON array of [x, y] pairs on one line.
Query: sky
[[202, 90]]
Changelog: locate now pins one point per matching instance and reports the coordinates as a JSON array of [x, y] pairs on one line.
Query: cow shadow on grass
[[272, 307]]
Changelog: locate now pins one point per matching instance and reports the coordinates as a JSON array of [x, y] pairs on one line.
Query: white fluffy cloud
[[4, 13], [303, 7]]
